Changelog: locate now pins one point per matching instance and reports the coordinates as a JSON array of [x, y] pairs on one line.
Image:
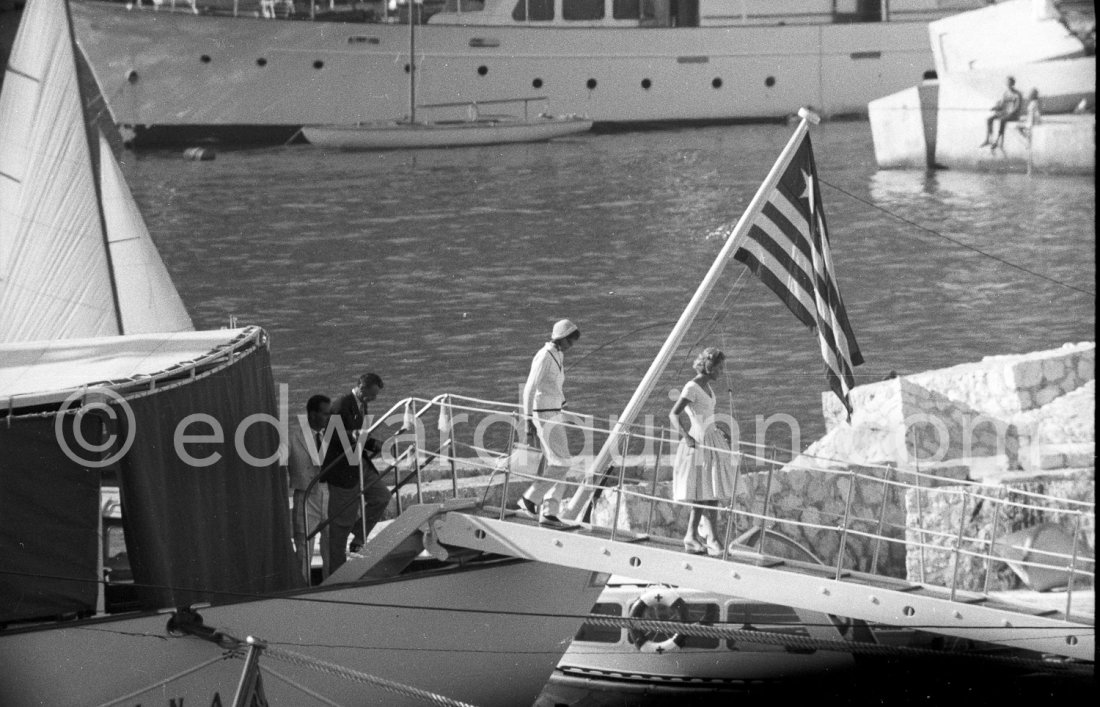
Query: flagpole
[[649, 380]]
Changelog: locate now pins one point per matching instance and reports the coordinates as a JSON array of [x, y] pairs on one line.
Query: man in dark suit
[[345, 454]]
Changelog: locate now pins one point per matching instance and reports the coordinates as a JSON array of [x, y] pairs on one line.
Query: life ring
[[661, 604]]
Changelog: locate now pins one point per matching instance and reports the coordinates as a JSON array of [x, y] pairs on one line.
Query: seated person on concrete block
[[1006, 109], [1031, 114]]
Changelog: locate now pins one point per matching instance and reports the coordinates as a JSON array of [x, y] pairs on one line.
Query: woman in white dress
[[703, 469]]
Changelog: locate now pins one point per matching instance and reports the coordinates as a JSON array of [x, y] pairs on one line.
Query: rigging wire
[[604, 345], [242, 595], [979, 251]]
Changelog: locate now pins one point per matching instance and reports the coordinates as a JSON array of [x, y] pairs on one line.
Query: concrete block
[[903, 127], [1062, 143]]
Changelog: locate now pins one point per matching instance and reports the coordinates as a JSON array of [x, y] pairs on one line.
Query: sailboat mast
[[733, 242], [412, 63], [91, 138]]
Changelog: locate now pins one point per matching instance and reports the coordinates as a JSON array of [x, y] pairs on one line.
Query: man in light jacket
[[543, 400]]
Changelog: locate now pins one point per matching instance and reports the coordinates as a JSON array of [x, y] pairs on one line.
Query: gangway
[[765, 578], [458, 528]]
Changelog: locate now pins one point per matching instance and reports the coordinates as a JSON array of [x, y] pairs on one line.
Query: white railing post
[[1073, 564], [992, 542], [619, 493], [958, 543], [920, 509], [768, 454], [653, 486], [516, 427], [847, 517], [881, 522]]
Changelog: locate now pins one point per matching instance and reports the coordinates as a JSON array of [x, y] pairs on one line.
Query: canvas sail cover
[[49, 515], [44, 372], [55, 269], [212, 524], [195, 531]]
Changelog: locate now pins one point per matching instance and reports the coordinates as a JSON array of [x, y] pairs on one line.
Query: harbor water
[[444, 270]]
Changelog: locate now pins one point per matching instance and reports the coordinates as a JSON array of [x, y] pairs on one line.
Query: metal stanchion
[[769, 454], [1073, 564], [881, 522], [619, 494], [508, 466], [958, 543], [992, 540], [653, 486], [847, 517], [920, 510]]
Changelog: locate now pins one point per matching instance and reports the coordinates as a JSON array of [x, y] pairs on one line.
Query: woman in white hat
[[703, 469], [543, 400]]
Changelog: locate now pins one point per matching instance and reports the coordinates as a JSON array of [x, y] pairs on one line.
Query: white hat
[[563, 329]]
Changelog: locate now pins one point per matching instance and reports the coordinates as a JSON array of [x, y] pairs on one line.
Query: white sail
[[55, 270], [54, 279], [147, 299]]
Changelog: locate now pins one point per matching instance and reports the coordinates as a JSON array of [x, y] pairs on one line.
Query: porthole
[[318, 64], [537, 83], [770, 81], [132, 76], [406, 68], [646, 84], [716, 82], [482, 70], [205, 58], [261, 62], [591, 83]]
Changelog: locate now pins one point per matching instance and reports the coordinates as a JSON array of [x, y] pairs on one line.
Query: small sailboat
[[472, 130]]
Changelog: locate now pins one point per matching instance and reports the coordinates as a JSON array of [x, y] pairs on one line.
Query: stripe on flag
[[787, 247]]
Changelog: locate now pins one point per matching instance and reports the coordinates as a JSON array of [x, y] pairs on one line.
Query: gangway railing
[[474, 439]]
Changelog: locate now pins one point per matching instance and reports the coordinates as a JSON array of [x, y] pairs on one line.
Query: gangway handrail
[[637, 432], [865, 525]]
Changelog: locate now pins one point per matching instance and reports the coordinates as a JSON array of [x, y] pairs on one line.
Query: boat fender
[[662, 604], [199, 154]]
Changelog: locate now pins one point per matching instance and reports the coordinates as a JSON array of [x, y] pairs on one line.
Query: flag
[[787, 247]]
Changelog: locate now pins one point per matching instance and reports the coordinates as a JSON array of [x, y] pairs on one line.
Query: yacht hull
[[453, 632], [167, 73]]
